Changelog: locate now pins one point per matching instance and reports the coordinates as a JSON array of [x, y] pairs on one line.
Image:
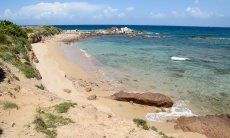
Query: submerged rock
[[152, 99], [213, 126]]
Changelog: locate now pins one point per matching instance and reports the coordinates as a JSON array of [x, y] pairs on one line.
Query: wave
[[85, 53], [178, 109], [208, 38], [179, 58]]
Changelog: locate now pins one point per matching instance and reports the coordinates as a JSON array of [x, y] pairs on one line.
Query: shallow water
[[143, 63]]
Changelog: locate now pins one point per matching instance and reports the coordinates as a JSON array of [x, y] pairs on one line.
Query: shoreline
[[69, 73]]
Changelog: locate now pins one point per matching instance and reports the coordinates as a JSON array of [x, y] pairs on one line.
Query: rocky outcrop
[[71, 35], [213, 126], [151, 99]]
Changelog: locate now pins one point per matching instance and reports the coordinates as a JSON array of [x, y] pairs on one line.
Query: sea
[[190, 64]]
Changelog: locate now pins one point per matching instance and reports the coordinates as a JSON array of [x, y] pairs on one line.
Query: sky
[[133, 12]]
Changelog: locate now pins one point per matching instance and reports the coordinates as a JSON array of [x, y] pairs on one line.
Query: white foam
[[85, 53], [178, 109], [179, 58]]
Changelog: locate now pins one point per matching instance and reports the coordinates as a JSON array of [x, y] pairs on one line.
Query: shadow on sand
[[1, 131]]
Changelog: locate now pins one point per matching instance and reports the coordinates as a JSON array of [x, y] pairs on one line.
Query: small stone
[[13, 124], [131, 102], [162, 109], [51, 99], [92, 97], [157, 111], [13, 87], [32, 134], [88, 89], [67, 90]]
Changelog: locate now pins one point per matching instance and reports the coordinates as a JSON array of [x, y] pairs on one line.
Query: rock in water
[[213, 126], [152, 99]]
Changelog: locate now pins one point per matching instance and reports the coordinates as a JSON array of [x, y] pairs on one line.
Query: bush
[[4, 39], [40, 87], [64, 107], [142, 123], [41, 126], [163, 135], [9, 28], [14, 45], [47, 123], [154, 128], [56, 120], [27, 70], [9, 105]]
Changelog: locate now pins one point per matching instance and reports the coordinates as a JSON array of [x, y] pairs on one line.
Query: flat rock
[[151, 99], [92, 97], [213, 126]]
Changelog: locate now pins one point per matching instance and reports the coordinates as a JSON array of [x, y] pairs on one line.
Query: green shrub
[[27, 70], [64, 107], [9, 105], [163, 135], [9, 28], [4, 39], [154, 128], [142, 123], [47, 123], [50, 30], [56, 120], [42, 127], [14, 44], [40, 87], [29, 30]]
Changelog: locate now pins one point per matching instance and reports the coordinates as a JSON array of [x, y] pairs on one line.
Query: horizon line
[[127, 25]]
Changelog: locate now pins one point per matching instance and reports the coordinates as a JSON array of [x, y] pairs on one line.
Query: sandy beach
[[109, 69], [59, 73]]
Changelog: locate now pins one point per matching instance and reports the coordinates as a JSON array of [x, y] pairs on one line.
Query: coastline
[[60, 73]]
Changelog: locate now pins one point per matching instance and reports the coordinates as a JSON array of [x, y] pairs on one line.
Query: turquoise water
[[143, 63]]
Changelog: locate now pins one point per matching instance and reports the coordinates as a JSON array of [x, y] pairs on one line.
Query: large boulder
[[152, 99], [213, 126]]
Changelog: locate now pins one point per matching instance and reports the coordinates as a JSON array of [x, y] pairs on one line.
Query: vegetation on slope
[[15, 46], [36, 33], [8, 105], [64, 107], [47, 121]]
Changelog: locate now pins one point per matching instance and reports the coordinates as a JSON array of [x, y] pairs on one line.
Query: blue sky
[[147, 12]]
